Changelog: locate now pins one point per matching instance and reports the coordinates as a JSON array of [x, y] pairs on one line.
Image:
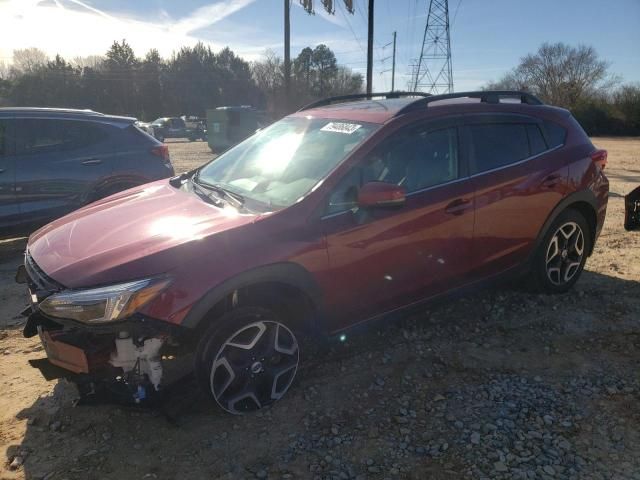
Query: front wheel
[[561, 256], [247, 360]]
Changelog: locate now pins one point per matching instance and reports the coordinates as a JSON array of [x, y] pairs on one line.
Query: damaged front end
[[100, 341]]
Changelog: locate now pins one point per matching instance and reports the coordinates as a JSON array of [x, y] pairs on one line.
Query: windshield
[[282, 163]]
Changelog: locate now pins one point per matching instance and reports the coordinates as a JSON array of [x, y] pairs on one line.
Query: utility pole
[[287, 50], [393, 64], [370, 50]]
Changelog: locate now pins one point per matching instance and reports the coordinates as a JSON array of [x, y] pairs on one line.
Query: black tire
[[560, 258], [247, 359]]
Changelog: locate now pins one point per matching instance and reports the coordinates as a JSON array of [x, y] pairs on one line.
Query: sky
[[488, 37]]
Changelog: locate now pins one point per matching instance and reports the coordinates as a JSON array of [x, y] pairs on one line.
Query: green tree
[[149, 79], [326, 67], [119, 73]]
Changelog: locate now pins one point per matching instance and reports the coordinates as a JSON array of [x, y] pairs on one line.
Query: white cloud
[[82, 30], [208, 15]]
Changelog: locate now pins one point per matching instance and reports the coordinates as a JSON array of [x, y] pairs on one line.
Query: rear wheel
[[561, 256], [247, 360]]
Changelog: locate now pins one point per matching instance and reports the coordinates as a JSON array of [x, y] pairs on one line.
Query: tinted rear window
[[556, 134], [499, 144]]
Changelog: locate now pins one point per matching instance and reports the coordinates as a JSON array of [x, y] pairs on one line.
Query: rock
[[55, 426], [475, 438], [261, 474], [549, 470], [16, 463], [439, 398], [500, 467]]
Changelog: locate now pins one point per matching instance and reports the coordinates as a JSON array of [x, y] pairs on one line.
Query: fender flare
[[585, 196], [288, 273]]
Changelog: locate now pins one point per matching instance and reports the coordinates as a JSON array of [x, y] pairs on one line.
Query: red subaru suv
[[349, 209]]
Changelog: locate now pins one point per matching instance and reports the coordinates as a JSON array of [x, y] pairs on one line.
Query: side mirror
[[381, 194]]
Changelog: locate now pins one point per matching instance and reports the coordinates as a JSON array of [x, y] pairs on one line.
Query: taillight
[[599, 157], [161, 151]]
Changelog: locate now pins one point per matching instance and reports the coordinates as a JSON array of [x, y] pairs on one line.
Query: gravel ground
[[499, 384]]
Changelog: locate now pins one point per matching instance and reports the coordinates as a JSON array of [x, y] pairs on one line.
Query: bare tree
[[268, 73], [4, 71], [28, 60], [91, 61], [560, 74]]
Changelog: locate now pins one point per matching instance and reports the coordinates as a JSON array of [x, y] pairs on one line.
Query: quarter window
[[415, 158], [497, 145], [536, 140], [555, 133]]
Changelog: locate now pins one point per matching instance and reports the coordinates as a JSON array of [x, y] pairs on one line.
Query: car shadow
[[476, 335]]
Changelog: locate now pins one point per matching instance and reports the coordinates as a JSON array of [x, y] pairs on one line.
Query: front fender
[[287, 273]]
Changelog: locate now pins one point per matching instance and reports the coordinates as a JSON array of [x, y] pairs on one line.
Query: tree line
[[576, 78], [192, 80]]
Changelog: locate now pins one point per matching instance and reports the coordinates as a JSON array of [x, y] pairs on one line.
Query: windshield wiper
[[233, 198], [216, 200]]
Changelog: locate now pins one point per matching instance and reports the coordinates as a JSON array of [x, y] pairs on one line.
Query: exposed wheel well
[[590, 216], [290, 302]]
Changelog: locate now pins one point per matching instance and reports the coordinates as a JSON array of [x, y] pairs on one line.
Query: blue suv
[[53, 161]]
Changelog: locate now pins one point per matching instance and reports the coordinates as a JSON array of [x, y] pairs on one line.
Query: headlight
[[105, 304]]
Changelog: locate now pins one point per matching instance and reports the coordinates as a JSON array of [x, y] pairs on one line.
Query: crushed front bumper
[[121, 361]]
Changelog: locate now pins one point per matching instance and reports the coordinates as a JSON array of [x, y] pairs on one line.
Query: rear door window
[[82, 134], [497, 145], [36, 136]]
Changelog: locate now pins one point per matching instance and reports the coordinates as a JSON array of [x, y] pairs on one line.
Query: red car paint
[[443, 238]]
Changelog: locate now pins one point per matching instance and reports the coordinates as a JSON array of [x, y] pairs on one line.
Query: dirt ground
[[498, 384]]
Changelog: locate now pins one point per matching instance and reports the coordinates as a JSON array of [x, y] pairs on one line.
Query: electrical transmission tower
[[432, 72]]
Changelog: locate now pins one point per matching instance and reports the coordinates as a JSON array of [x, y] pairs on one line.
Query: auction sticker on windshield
[[341, 127]]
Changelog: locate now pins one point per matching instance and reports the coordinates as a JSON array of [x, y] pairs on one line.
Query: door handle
[[552, 181], [92, 161], [458, 206]]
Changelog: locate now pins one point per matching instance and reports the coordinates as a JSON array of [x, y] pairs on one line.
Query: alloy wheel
[[254, 367], [565, 253]]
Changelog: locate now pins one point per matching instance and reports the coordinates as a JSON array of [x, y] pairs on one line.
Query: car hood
[[139, 232]]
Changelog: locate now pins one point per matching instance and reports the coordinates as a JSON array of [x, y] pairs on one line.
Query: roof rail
[[361, 96], [486, 96]]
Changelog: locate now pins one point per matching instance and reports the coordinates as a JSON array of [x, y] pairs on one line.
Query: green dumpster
[[227, 126]]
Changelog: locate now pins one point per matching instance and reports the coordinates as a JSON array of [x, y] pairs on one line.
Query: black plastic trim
[[288, 273]]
